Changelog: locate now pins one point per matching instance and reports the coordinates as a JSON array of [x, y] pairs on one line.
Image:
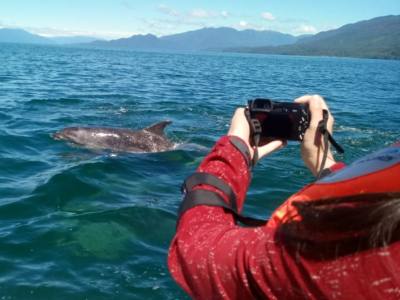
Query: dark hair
[[341, 226]]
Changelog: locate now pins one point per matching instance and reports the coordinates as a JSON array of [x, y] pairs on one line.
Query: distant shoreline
[[377, 38], [201, 52]]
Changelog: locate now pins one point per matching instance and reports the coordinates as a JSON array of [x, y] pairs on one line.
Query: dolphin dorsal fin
[[158, 128]]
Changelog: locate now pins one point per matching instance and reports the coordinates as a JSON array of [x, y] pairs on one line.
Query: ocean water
[[84, 224]]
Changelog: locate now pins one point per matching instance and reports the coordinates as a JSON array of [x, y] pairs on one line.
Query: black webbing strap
[[327, 137], [335, 144], [209, 179], [251, 222], [198, 197], [322, 127], [255, 131], [209, 198], [323, 173], [256, 139], [201, 197], [242, 148]]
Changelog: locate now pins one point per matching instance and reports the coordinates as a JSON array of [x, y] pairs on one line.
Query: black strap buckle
[[256, 126]]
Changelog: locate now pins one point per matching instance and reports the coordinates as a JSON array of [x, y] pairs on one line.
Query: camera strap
[[255, 131], [327, 138]]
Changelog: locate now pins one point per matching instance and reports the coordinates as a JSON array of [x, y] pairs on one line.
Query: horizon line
[[128, 35], [109, 36]]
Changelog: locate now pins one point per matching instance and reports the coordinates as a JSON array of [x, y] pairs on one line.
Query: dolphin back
[[150, 139], [158, 128]]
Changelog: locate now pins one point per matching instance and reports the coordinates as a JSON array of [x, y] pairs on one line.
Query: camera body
[[280, 120]]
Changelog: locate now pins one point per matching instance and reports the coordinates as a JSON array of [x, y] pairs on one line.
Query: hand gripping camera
[[278, 120], [287, 121]]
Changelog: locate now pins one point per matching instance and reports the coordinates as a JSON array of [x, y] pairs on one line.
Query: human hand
[[312, 147], [240, 127]]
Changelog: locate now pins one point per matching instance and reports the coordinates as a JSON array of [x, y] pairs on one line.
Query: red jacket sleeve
[[210, 257]]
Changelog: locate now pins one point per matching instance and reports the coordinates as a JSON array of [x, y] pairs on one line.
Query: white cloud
[[267, 16], [202, 13], [52, 32], [246, 25], [168, 10], [3, 25], [224, 13], [198, 13], [243, 24], [305, 29]]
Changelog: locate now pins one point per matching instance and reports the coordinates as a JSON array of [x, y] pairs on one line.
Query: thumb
[[271, 147]]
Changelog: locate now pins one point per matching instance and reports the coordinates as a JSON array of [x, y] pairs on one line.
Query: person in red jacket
[[337, 238]]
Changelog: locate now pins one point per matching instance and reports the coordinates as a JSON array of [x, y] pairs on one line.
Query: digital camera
[[280, 120]]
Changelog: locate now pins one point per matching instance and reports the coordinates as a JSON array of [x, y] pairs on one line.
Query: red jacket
[[213, 258]]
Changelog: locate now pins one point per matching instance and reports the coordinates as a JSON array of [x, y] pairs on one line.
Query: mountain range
[[202, 39], [375, 38], [20, 36], [197, 40]]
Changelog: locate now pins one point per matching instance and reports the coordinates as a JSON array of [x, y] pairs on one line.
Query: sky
[[112, 19]]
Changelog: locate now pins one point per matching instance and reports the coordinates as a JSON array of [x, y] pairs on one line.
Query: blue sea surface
[[82, 224]]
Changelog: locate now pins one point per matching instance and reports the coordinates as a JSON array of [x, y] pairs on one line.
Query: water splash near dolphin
[[149, 139]]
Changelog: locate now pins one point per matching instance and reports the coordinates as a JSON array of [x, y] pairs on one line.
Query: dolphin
[[149, 139]]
